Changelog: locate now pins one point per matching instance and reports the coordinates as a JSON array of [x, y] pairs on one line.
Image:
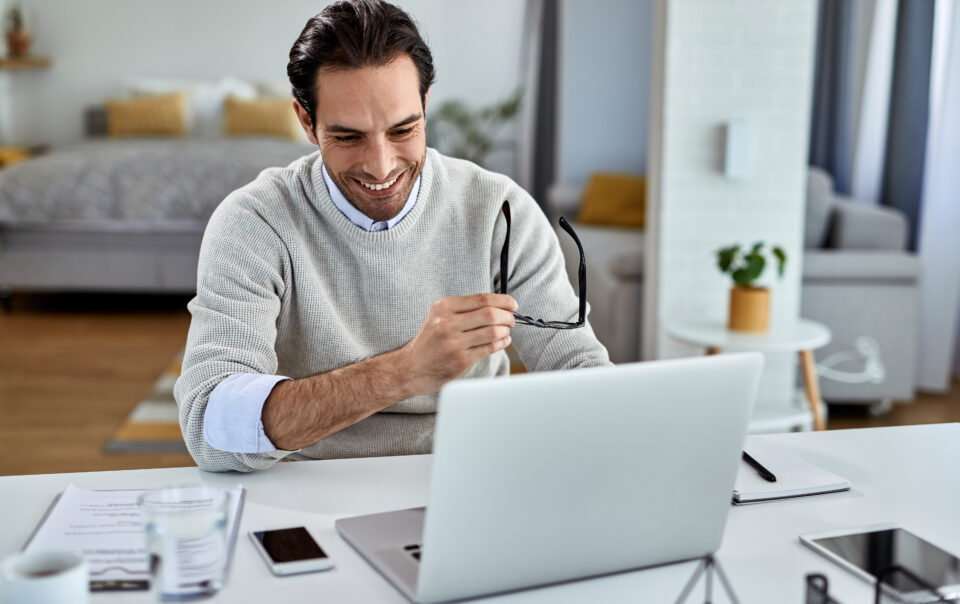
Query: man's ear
[[305, 122]]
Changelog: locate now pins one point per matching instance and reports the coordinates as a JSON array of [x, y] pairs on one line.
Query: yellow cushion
[[262, 117], [160, 115], [614, 200], [12, 155]]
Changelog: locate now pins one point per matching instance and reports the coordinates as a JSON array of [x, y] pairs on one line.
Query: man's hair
[[351, 34]]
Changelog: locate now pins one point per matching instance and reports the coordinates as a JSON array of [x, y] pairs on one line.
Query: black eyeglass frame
[[582, 274]]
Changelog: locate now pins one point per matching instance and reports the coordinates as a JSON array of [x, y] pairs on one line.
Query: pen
[[762, 471]]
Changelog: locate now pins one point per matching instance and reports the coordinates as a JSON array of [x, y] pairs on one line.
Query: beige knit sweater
[[287, 285]]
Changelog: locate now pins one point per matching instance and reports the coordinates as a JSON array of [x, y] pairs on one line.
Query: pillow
[[261, 117], [204, 99], [819, 208], [162, 115], [614, 200]]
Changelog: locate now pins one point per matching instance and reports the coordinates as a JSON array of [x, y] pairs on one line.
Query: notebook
[[796, 477]]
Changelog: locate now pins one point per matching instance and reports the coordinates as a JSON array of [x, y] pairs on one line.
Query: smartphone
[[290, 551], [908, 563]]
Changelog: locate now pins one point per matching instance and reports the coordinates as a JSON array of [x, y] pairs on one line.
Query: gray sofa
[[858, 279]]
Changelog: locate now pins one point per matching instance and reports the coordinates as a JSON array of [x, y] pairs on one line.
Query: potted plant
[[18, 38], [749, 304], [471, 134]]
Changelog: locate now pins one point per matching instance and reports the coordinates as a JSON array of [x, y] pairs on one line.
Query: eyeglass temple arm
[[581, 273], [505, 251]]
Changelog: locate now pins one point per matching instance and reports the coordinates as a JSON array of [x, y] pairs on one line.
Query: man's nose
[[378, 160]]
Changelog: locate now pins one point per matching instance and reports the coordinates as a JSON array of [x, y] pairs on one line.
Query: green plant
[[15, 21], [456, 129], [746, 266]]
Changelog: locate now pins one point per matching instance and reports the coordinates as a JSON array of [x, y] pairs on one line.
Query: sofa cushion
[[860, 266], [819, 208], [614, 200], [618, 251]]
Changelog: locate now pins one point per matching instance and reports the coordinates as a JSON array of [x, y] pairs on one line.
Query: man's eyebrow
[[407, 120], [346, 129]]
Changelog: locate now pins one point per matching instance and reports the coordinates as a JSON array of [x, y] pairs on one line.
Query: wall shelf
[[10, 63]]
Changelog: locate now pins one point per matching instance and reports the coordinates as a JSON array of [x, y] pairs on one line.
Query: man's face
[[370, 129]]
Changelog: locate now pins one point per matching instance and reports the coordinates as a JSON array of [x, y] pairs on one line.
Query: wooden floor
[[72, 367]]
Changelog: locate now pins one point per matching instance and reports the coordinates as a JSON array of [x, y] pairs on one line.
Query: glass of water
[[186, 540]]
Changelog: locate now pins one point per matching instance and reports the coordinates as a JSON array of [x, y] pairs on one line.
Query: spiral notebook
[[796, 477]]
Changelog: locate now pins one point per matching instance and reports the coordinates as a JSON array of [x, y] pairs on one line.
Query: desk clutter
[[122, 534]]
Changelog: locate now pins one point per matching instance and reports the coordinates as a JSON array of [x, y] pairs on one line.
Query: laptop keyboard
[[414, 550]]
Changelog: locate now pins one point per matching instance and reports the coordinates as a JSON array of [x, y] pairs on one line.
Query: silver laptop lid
[[554, 476]]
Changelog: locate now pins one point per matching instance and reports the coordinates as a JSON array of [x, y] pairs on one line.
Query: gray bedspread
[[137, 180]]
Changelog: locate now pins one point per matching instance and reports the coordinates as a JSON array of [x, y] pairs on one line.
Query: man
[[337, 295]]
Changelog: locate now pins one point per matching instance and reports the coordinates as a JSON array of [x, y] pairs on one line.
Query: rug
[[152, 426]]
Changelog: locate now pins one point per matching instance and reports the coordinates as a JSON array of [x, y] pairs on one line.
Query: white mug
[[57, 577]]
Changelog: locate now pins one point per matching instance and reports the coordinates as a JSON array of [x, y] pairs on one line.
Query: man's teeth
[[385, 185]]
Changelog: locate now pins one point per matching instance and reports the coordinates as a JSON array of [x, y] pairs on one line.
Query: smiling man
[[336, 296]]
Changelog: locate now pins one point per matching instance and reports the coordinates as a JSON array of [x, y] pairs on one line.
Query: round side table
[[802, 337]]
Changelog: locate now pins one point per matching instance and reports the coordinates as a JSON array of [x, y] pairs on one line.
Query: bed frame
[[99, 256]]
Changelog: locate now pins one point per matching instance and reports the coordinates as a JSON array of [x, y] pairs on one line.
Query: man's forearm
[[457, 333], [300, 412]]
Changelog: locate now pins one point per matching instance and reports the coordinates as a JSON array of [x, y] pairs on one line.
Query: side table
[[803, 337]]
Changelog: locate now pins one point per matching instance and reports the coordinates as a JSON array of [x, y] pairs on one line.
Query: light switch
[[736, 160]]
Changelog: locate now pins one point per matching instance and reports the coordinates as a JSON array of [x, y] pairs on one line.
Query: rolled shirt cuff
[[233, 420]]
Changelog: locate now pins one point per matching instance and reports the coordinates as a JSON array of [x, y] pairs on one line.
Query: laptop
[[548, 477]]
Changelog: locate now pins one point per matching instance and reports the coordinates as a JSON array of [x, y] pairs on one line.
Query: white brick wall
[[714, 61]]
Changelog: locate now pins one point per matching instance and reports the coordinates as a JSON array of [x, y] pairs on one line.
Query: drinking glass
[[186, 540]]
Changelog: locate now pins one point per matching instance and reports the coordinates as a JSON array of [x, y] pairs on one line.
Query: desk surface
[[907, 475]]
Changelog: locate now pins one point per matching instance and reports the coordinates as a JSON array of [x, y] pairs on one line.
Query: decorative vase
[[749, 309], [18, 42]]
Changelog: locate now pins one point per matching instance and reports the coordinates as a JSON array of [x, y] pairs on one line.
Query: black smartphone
[[290, 551]]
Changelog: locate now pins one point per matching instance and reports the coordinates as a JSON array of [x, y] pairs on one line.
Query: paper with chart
[[108, 528]]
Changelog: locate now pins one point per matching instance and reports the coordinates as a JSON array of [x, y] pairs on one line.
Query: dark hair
[[351, 34]]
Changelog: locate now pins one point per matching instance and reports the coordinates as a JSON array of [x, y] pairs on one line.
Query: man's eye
[[347, 138], [402, 132]]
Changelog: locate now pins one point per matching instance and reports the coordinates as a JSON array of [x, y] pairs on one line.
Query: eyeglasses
[[504, 271]]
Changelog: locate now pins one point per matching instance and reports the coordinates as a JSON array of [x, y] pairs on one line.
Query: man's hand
[[457, 333]]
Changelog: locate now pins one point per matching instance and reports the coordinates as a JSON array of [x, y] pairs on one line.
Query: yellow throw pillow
[[160, 115], [614, 200], [260, 117]]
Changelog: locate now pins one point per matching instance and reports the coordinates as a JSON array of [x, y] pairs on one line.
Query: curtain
[[872, 111], [909, 112], [832, 87], [939, 245], [537, 160]]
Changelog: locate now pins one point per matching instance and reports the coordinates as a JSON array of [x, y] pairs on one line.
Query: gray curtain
[[545, 102], [829, 142], [909, 111]]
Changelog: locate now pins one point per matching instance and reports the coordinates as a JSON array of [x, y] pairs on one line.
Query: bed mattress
[[136, 180]]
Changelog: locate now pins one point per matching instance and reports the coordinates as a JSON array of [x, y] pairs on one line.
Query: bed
[[121, 215]]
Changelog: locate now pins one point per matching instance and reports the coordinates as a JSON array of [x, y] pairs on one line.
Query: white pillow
[[205, 117]]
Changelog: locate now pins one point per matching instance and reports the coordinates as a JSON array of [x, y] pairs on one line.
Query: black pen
[[762, 471]]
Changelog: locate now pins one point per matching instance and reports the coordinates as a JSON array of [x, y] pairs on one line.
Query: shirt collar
[[359, 218]]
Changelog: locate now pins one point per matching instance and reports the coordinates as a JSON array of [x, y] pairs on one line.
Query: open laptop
[[547, 477]]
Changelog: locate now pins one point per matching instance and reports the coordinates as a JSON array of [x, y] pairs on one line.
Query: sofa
[[858, 279]]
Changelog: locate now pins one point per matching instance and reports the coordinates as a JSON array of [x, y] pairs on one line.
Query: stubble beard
[[385, 208]]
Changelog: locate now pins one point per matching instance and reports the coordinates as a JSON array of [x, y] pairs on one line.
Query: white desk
[[908, 475]]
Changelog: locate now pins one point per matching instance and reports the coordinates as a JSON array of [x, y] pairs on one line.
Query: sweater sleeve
[[240, 284], [538, 281]]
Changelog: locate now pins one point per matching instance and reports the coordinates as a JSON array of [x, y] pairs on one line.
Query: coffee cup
[[57, 577]]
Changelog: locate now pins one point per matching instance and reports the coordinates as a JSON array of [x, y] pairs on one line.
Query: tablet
[[870, 551]]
